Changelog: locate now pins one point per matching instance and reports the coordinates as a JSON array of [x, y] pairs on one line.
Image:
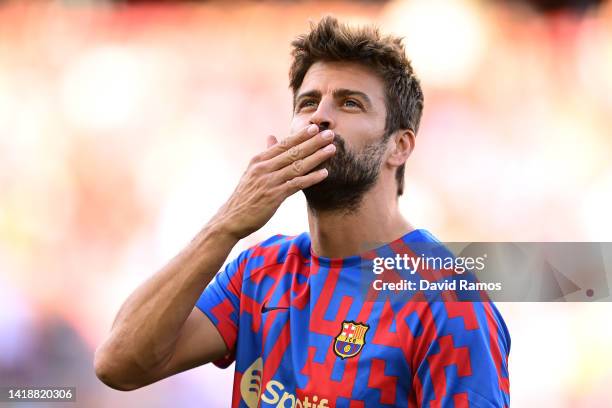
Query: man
[[295, 313]]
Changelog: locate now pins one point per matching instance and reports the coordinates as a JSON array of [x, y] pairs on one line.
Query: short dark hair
[[331, 41]]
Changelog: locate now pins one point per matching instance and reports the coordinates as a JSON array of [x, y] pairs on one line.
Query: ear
[[401, 147]]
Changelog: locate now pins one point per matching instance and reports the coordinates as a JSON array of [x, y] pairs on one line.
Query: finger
[[301, 151], [296, 184], [302, 166], [271, 141], [287, 143]]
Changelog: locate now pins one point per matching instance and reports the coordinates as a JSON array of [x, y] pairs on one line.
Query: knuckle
[[257, 168], [284, 143], [298, 166], [268, 180], [294, 152], [267, 194], [294, 183], [255, 159]]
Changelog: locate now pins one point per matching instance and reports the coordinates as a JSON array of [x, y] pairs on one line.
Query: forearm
[[142, 345], [148, 324]]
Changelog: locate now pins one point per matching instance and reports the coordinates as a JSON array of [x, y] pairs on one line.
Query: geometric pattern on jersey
[[281, 309]]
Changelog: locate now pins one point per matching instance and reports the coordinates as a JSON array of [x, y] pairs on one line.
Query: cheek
[[365, 132]]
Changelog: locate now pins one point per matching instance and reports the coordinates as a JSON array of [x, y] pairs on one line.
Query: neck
[[376, 222]]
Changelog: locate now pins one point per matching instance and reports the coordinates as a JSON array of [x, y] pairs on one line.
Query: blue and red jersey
[[304, 333]]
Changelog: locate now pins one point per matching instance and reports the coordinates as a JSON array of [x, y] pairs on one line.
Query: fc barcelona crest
[[351, 339]]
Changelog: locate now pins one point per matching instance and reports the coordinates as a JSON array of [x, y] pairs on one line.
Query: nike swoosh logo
[[265, 309]]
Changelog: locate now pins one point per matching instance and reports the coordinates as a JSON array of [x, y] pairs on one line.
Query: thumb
[[271, 141]]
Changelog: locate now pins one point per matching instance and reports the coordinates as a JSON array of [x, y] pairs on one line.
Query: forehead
[[327, 76]]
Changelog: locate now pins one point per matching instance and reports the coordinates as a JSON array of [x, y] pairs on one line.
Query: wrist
[[220, 231]]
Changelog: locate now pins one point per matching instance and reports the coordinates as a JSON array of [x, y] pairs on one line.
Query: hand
[[272, 176]]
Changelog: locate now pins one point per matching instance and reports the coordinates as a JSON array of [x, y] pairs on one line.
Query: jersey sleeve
[[461, 357], [220, 301]]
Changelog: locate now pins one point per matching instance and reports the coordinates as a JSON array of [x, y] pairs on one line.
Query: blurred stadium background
[[125, 125]]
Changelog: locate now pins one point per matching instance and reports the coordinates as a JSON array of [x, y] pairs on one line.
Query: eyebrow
[[337, 93]]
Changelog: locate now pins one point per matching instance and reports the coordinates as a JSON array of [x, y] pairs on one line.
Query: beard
[[350, 176]]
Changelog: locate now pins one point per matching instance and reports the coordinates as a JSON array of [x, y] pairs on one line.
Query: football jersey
[[306, 331]]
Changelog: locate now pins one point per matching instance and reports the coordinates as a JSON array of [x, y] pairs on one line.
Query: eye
[[352, 103], [307, 103]]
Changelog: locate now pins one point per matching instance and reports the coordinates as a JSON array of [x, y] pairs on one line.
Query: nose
[[323, 116], [322, 126]]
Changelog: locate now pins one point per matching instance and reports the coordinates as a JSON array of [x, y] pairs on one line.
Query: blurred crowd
[[124, 127]]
